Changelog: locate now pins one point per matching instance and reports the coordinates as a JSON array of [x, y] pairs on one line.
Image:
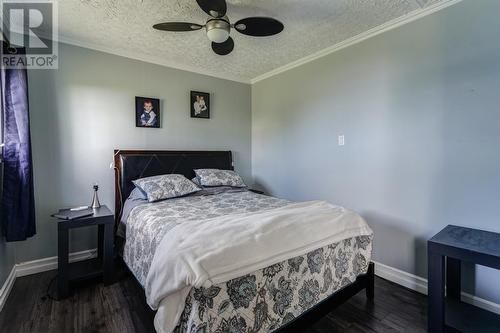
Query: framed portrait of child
[[200, 105], [147, 112]]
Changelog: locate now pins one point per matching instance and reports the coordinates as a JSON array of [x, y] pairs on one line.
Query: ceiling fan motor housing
[[218, 30], [218, 26]]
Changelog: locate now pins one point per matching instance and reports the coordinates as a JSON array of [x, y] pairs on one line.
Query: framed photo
[[147, 112], [200, 105]]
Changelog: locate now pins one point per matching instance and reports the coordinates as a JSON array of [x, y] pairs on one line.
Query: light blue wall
[[420, 110], [7, 258], [85, 109]]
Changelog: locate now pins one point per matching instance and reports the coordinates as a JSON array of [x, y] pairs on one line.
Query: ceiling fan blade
[[214, 8], [177, 26], [259, 26], [223, 48]]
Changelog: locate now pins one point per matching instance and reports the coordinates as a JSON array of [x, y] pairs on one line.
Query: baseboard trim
[[7, 287], [419, 284], [402, 278], [47, 264], [389, 273], [38, 266]]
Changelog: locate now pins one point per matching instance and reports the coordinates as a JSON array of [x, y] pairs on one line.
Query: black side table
[[451, 246], [102, 265]]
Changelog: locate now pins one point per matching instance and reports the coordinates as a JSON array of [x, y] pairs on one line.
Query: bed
[[284, 296]]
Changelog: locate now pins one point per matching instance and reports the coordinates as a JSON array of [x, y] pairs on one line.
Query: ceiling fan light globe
[[218, 30], [218, 35]]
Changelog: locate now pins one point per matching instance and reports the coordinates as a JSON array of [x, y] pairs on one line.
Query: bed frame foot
[[370, 281]]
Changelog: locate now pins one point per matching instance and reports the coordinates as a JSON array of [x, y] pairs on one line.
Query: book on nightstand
[[68, 214]]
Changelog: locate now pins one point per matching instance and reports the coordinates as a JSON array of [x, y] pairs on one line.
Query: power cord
[[47, 292]]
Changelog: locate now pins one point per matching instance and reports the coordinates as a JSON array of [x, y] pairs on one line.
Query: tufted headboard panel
[[135, 164]]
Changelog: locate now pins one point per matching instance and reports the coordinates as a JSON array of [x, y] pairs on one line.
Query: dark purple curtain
[[18, 204]]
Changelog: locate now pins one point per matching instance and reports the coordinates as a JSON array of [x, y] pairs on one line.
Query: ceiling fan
[[218, 26]]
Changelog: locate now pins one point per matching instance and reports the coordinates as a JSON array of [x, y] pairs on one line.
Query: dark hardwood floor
[[121, 307]]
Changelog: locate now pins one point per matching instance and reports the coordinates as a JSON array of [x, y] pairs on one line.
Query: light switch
[[341, 140]]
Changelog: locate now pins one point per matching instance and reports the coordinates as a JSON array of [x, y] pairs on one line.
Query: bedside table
[[446, 251], [103, 218]]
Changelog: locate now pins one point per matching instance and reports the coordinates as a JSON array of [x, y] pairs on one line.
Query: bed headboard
[[135, 164]]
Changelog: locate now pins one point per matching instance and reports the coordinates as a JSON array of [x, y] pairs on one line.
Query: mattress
[[258, 302]]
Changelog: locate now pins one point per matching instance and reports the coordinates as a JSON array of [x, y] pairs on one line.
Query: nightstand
[[103, 218], [446, 251]]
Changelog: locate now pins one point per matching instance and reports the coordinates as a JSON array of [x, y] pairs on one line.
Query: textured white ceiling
[[125, 27]]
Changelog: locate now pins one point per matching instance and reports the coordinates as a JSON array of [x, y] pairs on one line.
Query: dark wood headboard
[[134, 164]]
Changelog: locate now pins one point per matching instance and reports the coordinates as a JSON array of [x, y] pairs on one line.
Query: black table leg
[[100, 242], [436, 321], [370, 282], [453, 278], [108, 254], [62, 262]]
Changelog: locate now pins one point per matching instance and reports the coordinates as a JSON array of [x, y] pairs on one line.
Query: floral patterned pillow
[[166, 186], [216, 177]]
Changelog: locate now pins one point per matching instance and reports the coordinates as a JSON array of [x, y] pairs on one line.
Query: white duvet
[[212, 251]]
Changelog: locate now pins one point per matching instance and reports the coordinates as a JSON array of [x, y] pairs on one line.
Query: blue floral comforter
[[258, 302]]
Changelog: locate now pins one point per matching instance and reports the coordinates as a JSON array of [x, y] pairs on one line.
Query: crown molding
[[147, 59], [150, 59], [393, 24]]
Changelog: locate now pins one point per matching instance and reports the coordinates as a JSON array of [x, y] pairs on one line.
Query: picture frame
[[200, 105], [147, 112]]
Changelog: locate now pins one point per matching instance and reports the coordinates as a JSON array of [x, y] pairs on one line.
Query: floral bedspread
[[259, 302], [275, 295]]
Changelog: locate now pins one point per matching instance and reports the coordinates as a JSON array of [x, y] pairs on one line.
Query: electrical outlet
[[341, 140]]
